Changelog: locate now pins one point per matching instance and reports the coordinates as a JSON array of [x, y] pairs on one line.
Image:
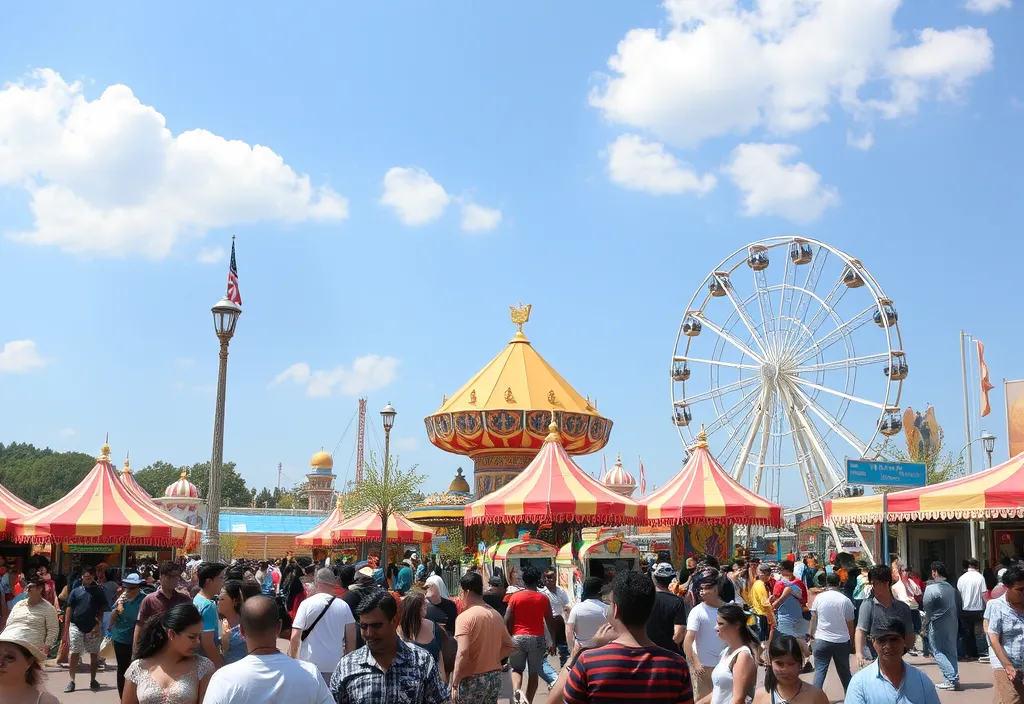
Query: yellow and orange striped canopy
[[103, 510], [321, 535], [365, 528], [989, 495], [703, 492], [11, 507], [552, 488]]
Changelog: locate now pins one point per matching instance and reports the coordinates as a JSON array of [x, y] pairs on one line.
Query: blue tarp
[[259, 523]]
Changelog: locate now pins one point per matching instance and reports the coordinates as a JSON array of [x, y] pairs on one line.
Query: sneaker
[[519, 697], [94, 686], [70, 688], [914, 651], [983, 658], [948, 686]]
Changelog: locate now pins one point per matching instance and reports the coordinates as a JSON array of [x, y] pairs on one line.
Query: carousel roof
[[993, 494], [703, 492], [446, 507], [508, 404], [617, 476], [103, 510], [11, 507], [365, 528], [321, 535], [553, 488], [182, 489], [128, 479]]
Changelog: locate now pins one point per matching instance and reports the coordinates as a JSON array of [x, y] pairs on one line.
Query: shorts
[[79, 642], [484, 688], [530, 650]]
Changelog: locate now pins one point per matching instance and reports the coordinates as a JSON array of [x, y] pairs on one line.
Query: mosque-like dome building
[[320, 482], [619, 480]]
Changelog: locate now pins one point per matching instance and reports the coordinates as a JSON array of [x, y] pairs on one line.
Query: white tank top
[[721, 677]]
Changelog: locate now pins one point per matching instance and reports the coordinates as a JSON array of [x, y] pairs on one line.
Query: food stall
[[508, 558], [603, 553]]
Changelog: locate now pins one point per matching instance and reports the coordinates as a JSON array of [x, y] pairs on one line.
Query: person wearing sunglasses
[[889, 680]]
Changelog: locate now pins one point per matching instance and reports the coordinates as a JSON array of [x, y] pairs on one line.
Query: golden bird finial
[[521, 315]]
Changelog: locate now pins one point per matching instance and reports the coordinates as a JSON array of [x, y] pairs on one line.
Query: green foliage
[[939, 467], [384, 493], [41, 476], [451, 550], [156, 477], [228, 545]]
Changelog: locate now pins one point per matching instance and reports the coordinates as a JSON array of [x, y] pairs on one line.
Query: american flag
[[233, 294], [643, 479]]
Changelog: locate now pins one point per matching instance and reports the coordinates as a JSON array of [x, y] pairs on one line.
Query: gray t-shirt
[[874, 612], [940, 601]]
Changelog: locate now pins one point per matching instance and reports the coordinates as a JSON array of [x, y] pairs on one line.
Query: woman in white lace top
[[166, 669]]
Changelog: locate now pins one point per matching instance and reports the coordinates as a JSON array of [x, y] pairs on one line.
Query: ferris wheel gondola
[[789, 355]]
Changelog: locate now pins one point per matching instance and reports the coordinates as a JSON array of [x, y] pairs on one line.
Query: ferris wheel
[[789, 356]]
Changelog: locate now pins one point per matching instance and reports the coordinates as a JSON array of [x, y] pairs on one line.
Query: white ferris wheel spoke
[[764, 302], [803, 300], [833, 337], [718, 391], [844, 363], [819, 449], [859, 446], [741, 311], [827, 306], [714, 327], [841, 394], [762, 406], [765, 437], [717, 362], [726, 417]]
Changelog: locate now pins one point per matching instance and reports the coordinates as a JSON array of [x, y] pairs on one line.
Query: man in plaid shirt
[[386, 670], [1005, 619]]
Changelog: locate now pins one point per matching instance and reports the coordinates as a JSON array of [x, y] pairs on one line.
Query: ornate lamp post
[[225, 316], [387, 416], [988, 440]]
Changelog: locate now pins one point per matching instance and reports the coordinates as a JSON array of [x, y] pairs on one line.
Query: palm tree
[[385, 492]]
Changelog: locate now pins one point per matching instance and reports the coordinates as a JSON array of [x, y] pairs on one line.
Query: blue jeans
[[943, 640], [823, 653], [547, 673]]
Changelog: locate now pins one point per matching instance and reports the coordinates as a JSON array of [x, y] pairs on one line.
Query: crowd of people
[[193, 632]]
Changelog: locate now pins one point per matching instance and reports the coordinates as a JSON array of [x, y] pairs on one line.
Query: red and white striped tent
[[102, 510], [321, 535], [365, 528], [11, 507]]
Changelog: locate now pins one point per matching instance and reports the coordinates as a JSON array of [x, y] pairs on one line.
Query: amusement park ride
[[784, 349]]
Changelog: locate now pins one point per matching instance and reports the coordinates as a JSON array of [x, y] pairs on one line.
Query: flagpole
[[967, 419]]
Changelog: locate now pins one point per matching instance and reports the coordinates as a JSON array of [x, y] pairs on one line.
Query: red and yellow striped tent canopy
[[703, 492], [102, 510], [11, 507], [321, 535], [552, 488], [993, 494], [365, 528], [129, 481]]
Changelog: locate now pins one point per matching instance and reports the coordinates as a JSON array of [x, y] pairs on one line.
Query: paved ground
[[975, 678]]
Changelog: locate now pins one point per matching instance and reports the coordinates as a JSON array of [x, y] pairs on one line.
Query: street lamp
[[387, 417], [988, 440], [225, 316]]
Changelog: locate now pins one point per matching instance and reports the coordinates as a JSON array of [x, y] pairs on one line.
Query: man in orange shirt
[[483, 643]]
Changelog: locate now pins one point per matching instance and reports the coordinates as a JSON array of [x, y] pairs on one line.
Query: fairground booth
[[361, 534], [104, 520], [318, 540], [703, 504], [553, 492], [935, 522], [603, 553]]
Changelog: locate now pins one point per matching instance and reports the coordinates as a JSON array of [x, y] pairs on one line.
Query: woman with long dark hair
[[735, 676], [166, 668], [229, 608], [782, 683], [416, 629], [293, 590]]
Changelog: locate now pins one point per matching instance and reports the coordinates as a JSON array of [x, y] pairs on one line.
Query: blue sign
[[903, 474]]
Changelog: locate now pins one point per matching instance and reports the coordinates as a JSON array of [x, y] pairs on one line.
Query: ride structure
[[786, 347], [603, 553]]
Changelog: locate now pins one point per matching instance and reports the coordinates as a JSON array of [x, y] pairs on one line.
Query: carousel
[[103, 520], [500, 417], [444, 511], [703, 505]]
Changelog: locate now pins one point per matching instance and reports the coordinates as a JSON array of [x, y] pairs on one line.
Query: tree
[[155, 478], [265, 499], [286, 501], [228, 545], [939, 467], [41, 476], [385, 492]]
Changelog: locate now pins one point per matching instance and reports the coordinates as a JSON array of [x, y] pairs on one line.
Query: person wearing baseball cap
[[889, 680], [123, 617], [666, 626], [21, 672]]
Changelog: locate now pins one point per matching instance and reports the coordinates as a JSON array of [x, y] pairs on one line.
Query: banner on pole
[[1014, 391]]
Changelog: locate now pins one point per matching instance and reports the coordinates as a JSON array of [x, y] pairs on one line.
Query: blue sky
[[602, 195]]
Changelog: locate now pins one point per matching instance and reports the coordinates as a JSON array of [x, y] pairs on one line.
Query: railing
[[451, 580]]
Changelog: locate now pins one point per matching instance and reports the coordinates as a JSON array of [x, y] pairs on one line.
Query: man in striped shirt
[[631, 666]]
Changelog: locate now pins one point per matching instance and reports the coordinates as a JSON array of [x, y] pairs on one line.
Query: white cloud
[[367, 373], [864, 142], [984, 7], [772, 186], [107, 176], [66, 432], [184, 362], [781, 65], [639, 165], [416, 197], [20, 356], [406, 444], [477, 218], [212, 255]]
